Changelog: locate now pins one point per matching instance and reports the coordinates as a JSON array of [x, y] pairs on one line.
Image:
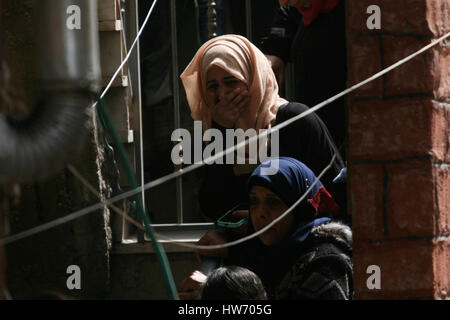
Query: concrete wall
[[39, 263], [139, 275]]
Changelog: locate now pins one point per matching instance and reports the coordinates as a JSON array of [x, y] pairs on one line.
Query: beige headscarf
[[238, 56]]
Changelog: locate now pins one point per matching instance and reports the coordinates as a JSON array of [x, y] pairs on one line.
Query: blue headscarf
[[289, 182]]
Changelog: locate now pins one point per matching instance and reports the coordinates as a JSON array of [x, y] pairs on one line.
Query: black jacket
[[318, 52], [324, 270], [320, 267], [306, 140]]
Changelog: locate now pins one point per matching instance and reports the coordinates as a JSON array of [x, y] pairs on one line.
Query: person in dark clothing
[[233, 282], [230, 84], [311, 259], [312, 37], [305, 254]]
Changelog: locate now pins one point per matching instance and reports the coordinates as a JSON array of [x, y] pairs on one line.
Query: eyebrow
[[226, 78]]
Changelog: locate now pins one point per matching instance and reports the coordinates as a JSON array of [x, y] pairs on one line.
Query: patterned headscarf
[[289, 183]]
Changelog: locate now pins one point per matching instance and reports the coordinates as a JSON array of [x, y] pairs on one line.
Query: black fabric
[[323, 272], [318, 268], [306, 140], [318, 53]]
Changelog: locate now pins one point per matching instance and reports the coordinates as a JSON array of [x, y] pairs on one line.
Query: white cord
[[194, 166], [129, 52], [270, 225], [208, 247]]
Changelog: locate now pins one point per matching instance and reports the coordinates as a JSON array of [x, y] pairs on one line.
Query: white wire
[[129, 52], [194, 166], [270, 225], [356, 86], [211, 159], [209, 247]]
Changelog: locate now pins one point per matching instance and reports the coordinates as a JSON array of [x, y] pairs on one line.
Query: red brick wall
[[399, 149]]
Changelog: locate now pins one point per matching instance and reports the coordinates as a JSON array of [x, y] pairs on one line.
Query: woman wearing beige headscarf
[[230, 84], [244, 62]]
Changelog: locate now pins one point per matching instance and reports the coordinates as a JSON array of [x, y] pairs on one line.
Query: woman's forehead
[[218, 69], [229, 57], [214, 72], [260, 190]]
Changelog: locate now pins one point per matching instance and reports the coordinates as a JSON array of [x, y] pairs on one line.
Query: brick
[[410, 199], [389, 129], [438, 16], [442, 89], [443, 198], [439, 131], [441, 268], [406, 266], [414, 76], [400, 16], [366, 200], [364, 57], [447, 111]]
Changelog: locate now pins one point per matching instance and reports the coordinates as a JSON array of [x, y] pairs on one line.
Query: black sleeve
[[328, 277], [283, 29], [216, 194], [219, 190], [307, 140]]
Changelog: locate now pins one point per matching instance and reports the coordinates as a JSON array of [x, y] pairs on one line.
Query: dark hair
[[233, 282]]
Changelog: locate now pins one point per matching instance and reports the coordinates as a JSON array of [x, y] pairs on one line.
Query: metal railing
[[212, 26]]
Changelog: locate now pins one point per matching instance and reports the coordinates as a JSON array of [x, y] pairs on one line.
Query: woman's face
[[265, 206], [219, 83]]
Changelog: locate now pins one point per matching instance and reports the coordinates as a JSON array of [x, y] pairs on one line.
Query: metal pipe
[[212, 19], [32, 147], [248, 18], [136, 66], [176, 100]]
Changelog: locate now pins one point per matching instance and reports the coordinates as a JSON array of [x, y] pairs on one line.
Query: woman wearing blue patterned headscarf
[[306, 255]]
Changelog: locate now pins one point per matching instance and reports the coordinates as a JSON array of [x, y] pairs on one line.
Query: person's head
[[271, 195], [233, 282], [311, 9], [297, 3], [222, 64]]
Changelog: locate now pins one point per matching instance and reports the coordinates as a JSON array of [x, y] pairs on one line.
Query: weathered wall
[[139, 276], [40, 262], [399, 151]]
